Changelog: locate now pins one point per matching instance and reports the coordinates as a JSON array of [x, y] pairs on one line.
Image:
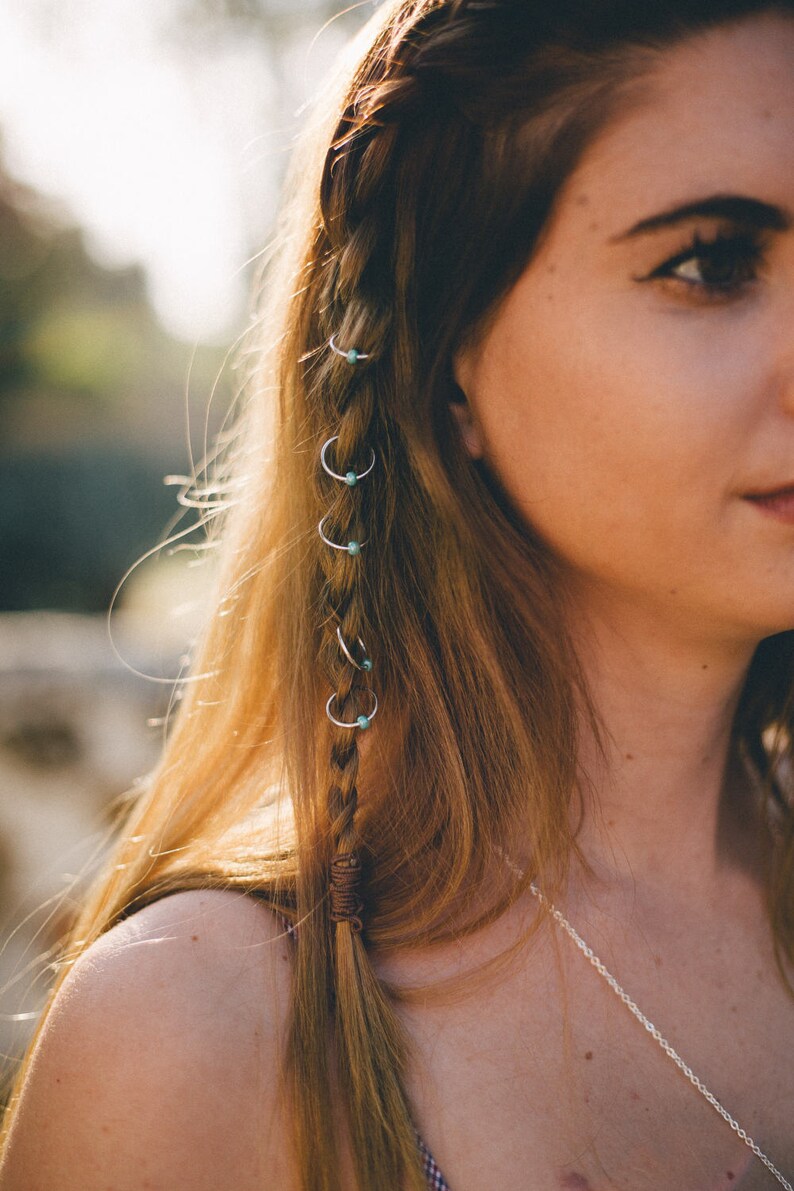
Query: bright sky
[[163, 142]]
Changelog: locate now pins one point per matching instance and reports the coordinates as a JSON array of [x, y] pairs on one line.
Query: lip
[[776, 502], [783, 489]]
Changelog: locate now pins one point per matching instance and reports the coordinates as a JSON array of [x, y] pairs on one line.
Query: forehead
[[716, 113]]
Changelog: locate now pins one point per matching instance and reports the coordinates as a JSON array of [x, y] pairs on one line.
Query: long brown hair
[[415, 205]]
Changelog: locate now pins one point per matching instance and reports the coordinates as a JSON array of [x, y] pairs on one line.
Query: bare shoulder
[[159, 1065]]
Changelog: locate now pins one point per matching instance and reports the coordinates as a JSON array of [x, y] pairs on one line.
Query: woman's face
[[636, 388]]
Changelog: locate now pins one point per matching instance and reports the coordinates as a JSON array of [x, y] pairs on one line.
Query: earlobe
[[468, 428], [461, 409]]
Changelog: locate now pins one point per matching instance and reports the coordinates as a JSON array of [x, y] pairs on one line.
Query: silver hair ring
[[366, 664], [361, 721], [351, 547], [351, 478], [352, 355]]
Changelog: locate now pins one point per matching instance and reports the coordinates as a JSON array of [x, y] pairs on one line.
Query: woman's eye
[[716, 268]]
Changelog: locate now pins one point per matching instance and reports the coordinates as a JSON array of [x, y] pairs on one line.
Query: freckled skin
[[572, 1180], [631, 452]]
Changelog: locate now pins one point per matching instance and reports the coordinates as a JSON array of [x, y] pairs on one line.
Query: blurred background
[[142, 147]]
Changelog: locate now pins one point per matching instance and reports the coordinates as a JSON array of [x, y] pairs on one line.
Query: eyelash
[[739, 248]]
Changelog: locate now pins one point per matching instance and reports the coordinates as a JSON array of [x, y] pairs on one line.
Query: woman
[[534, 376]]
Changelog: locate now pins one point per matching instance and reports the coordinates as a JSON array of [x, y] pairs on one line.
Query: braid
[[344, 619], [362, 302], [346, 1002], [368, 1039]]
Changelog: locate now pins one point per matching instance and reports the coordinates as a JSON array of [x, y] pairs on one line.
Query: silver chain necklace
[[656, 1034]]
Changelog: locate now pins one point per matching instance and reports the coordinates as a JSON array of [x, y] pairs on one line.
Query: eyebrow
[[736, 207]]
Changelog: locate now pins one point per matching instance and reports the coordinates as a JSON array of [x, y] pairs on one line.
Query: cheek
[[605, 440]]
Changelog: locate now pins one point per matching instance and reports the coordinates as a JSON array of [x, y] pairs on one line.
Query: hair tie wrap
[[346, 904]]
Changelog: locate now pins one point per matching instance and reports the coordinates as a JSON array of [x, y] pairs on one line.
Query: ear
[[461, 409], [468, 427]]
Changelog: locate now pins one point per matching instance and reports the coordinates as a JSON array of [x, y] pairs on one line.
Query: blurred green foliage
[[92, 413], [88, 351]]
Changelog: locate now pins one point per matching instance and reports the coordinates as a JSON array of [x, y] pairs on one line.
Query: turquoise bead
[[352, 356], [353, 548], [351, 479], [366, 664], [363, 721]]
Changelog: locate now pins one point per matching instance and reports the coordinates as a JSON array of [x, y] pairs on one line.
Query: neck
[[667, 801]]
